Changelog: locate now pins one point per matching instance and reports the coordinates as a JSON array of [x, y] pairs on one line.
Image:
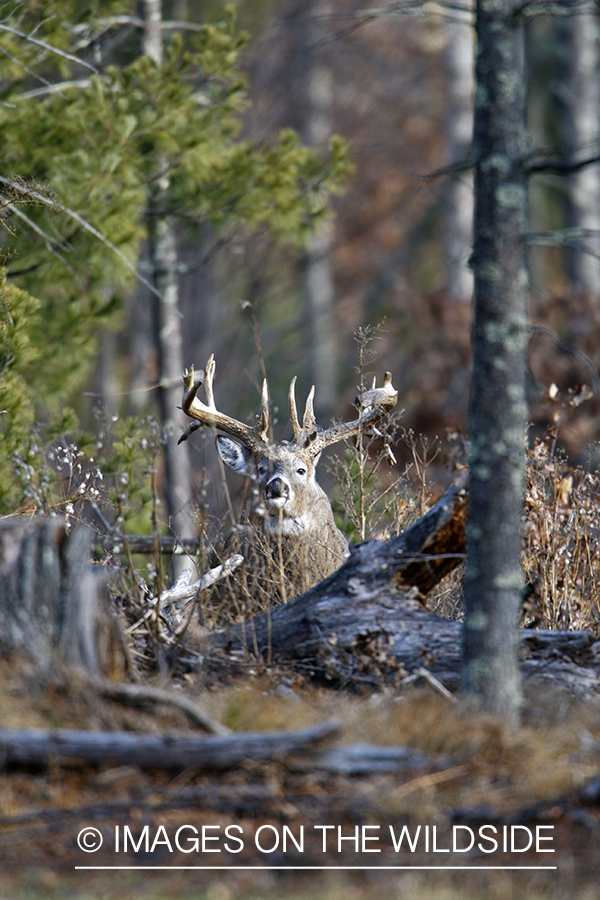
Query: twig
[[46, 46], [434, 683], [182, 590], [142, 694]]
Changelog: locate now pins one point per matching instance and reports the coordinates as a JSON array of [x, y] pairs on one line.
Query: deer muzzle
[[277, 492]]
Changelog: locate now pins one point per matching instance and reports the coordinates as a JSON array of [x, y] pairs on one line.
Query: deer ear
[[235, 455]]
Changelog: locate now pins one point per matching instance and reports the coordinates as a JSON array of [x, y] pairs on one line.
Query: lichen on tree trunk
[[498, 409]]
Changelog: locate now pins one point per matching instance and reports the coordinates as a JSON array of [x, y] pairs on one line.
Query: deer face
[[294, 502], [286, 476]]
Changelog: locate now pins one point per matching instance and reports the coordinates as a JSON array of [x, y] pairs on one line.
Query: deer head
[[294, 503]]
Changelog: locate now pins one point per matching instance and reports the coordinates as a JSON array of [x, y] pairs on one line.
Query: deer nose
[[277, 489]]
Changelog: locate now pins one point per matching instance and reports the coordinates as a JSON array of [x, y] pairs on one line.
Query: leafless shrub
[[561, 548]]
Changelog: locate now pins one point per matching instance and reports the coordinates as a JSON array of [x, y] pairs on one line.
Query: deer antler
[[309, 423], [373, 405], [208, 414]]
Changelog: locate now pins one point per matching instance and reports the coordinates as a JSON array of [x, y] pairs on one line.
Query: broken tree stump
[[54, 606]]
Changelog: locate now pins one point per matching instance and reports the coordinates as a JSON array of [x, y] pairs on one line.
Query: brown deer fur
[[295, 542]]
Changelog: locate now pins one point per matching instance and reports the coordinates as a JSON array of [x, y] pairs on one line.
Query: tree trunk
[[54, 607], [458, 226], [318, 273], [579, 36], [167, 324], [498, 410]]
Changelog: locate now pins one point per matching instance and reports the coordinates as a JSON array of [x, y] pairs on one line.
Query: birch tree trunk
[[498, 409], [579, 37], [162, 249], [318, 274], [458, 226]]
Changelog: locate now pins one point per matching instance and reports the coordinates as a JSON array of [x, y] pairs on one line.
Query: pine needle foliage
[[86, 138]]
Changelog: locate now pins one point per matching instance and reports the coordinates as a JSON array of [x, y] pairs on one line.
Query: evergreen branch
[[53, 204], [50, 242]]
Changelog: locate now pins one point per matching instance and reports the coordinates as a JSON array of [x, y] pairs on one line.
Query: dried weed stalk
[[561, 549]]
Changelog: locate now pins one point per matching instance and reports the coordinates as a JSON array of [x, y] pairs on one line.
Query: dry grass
[[561, 552], [293, 886], [487, 766]]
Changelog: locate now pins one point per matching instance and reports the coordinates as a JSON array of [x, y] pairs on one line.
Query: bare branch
[[572, 350], [47, 46], [532, 8], [455, 168], [565, 237], [135, 693], [54, 88], [562, 167], [50, 242]]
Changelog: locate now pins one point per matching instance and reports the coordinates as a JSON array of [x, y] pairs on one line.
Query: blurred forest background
[[128, 141]]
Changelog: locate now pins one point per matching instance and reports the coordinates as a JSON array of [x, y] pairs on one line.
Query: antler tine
[[374, 404], [209, 374], [263, 422], [208, 414], [309, 423], [294, 421]]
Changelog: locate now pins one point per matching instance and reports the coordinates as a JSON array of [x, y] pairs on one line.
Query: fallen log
[[368, 759], [175, 752], [367, 625]]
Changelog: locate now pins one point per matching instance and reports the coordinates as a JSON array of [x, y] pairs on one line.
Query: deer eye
[[301, 470]]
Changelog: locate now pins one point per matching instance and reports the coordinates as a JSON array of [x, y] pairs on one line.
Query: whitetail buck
[[297, 543]]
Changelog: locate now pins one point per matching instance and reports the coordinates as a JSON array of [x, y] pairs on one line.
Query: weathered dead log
[[367, 624], [53, 603], [39, 746], [367, 760]]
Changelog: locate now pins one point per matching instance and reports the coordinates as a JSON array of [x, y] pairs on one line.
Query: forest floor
[[476, 774]]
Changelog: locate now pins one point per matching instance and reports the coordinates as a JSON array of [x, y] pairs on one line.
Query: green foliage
[[101, 150], [19, 356], [127, 452], [45, 469]]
